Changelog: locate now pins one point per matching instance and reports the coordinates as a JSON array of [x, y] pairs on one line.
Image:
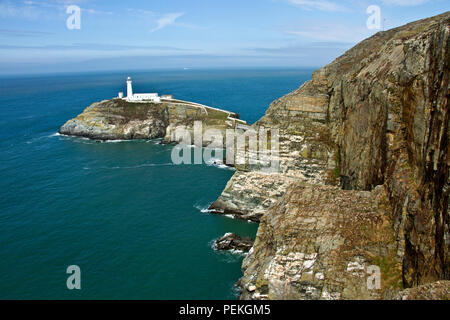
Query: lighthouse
[[129, 89], [140, 97]]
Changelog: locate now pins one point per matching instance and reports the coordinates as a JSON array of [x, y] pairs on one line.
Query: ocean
[[132, 221]]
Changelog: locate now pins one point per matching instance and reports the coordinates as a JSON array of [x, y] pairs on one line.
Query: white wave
[[113, 141], [42, 137], [224, 166], [203, 209], [218, 163], [147, 165], [154, 141], [212, 244], [134, 167], [74, 138], [240, 252], [116, 141]]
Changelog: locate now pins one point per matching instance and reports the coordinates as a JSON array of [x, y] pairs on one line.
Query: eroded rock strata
[[364, 175], [118, 119]]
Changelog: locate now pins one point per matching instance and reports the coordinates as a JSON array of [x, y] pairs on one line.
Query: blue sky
[[138, 34]]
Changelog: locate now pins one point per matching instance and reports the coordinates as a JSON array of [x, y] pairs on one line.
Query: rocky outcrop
[[439, 290], [118, 119], [230, 241], [320, 242], [248, 195], [374, 122]]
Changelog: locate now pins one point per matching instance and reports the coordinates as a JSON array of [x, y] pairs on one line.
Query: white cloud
[[9, 9], [167, 20], [323, 5], [332, 33], [405, 2], [93, 11], [141, 12], [33, 10]]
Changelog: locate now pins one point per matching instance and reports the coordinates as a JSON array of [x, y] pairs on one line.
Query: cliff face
[[122, 120], [376, 116], [306, 153], [318, 242]]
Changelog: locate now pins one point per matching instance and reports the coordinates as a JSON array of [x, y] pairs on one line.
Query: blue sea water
[[121, 211]]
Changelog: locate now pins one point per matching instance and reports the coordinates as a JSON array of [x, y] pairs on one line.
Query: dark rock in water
[[230, 241], [223, 207]]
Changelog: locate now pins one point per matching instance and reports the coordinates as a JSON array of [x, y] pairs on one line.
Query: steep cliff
[[375, 122], [319, 242]]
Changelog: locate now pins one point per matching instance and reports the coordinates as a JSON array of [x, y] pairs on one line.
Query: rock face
[[320, 242], [374, 122], [230, 241], [118, 119], [248, 195], [439, 290]]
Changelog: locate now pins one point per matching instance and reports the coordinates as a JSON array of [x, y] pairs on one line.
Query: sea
[[134, 223]]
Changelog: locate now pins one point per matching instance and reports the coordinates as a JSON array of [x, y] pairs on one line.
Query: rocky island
[[363, 185], [120, 119]]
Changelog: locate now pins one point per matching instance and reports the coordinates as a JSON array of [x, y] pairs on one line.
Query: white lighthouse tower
[[140, 97], [129, 89]]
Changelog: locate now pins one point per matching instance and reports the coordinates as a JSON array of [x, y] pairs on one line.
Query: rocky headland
[[118, 119], [363, 183]]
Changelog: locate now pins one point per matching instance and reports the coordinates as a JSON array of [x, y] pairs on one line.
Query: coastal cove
[[134, 222]]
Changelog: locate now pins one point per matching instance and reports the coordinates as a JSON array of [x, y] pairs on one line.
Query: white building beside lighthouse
[[138, 97]]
